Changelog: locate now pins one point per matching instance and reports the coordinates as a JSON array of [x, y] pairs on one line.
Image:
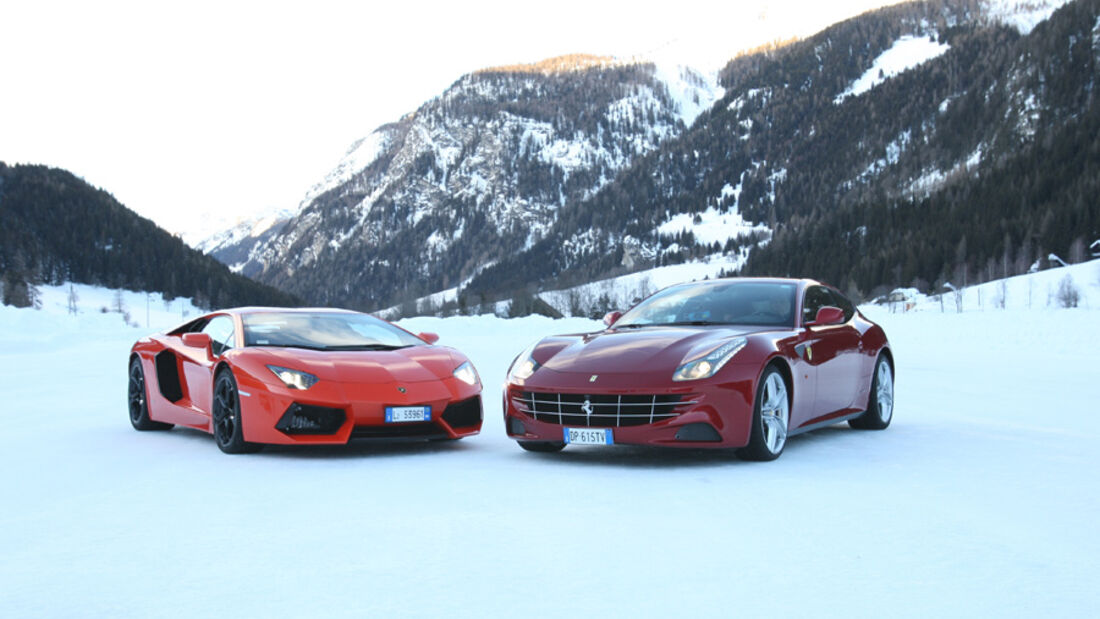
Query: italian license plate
[[589, 436], [405, 414]]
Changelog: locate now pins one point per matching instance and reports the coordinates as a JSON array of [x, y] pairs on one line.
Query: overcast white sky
[[197, 111]]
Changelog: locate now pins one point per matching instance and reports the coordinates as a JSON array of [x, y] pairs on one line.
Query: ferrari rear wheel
[[770, 418], [541, 447], [880, 404], [228, 433], [138, 401]]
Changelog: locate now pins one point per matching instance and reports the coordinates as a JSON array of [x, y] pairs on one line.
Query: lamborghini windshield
[[324, 331], [732, 302]]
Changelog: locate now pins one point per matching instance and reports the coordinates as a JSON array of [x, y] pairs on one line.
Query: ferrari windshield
[[324, 331], [723, 302]]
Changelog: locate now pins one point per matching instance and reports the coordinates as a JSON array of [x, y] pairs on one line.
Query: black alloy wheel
[[137, 398], [228, 433]]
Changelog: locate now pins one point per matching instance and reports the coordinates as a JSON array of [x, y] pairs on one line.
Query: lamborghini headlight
[[707, 365], [466, 373], [294, 379]]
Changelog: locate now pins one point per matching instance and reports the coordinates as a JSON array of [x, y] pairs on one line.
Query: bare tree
[[34, 296], [1068, 295], [72, 299]]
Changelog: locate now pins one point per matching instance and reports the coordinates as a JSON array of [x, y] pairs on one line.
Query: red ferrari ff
[[252, 376], [743, 363]]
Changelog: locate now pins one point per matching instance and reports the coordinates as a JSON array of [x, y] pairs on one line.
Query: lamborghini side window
[[816, 298], [220, 330]]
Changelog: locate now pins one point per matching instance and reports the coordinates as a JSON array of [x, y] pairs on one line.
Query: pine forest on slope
[[58, 228]]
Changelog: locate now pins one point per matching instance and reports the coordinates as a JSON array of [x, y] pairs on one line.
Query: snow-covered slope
[[98, 309], [906, 53], [1023, 15], [976, 500]]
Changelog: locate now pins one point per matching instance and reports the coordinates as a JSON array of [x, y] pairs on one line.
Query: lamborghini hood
[[405, 365]]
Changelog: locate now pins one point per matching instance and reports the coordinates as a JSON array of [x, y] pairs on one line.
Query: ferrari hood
[[406, 365], [640, 350]]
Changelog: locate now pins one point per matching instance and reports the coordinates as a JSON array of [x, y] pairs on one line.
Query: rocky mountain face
[[472, 177], [924, 142], [920, 143]]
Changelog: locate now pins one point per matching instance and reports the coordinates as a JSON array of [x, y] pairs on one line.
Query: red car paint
[[362, 383], [828, 368]]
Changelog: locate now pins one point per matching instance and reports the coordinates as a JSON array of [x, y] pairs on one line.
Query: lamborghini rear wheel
[[138, 400], [228, 433]]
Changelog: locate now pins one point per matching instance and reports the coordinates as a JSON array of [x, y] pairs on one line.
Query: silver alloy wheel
[[884, 393], [775, 412]]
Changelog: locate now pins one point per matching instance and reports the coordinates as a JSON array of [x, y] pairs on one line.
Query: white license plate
[[589, 436], [405, 414]]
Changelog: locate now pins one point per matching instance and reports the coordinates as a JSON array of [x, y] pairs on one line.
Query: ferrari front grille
[[600, 411]]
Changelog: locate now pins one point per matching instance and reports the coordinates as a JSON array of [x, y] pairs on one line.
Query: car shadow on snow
[[358, 449], [353, 450], [818, 443]]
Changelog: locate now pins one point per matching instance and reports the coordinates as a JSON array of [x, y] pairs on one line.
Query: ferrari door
[[831, 350]]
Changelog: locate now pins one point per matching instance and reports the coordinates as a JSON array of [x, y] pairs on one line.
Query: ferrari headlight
[[524, 365], [707, 365], [466, 373], [294, 379]]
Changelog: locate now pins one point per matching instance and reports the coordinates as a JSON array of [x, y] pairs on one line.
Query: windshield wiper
[[282, 345], [364, 347], [695, 323]]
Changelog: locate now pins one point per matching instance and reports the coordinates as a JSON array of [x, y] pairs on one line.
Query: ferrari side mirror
[[430, 338], [827, 315], [611, 318]]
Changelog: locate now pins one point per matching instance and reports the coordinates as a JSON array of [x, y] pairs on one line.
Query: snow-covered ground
[[979, 500]]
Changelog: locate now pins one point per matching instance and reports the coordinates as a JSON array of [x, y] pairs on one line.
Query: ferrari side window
[[816, 298], [220, 330], [843, 303]]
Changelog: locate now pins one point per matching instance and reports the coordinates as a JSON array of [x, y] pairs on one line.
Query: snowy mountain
[[873, 154], [897, 147], [472, 176], [56, 227]]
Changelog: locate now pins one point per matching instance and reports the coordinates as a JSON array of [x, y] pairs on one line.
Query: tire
[[138, 401], [771, 416], [226, 416], [541, 447], [880, 402]]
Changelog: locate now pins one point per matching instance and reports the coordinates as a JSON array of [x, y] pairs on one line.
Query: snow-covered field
[[979, 500]]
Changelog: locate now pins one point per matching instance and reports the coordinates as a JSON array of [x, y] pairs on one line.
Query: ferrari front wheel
[[228, 432], [770, 418], [541, 447], [880, 404], [138, 401]]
